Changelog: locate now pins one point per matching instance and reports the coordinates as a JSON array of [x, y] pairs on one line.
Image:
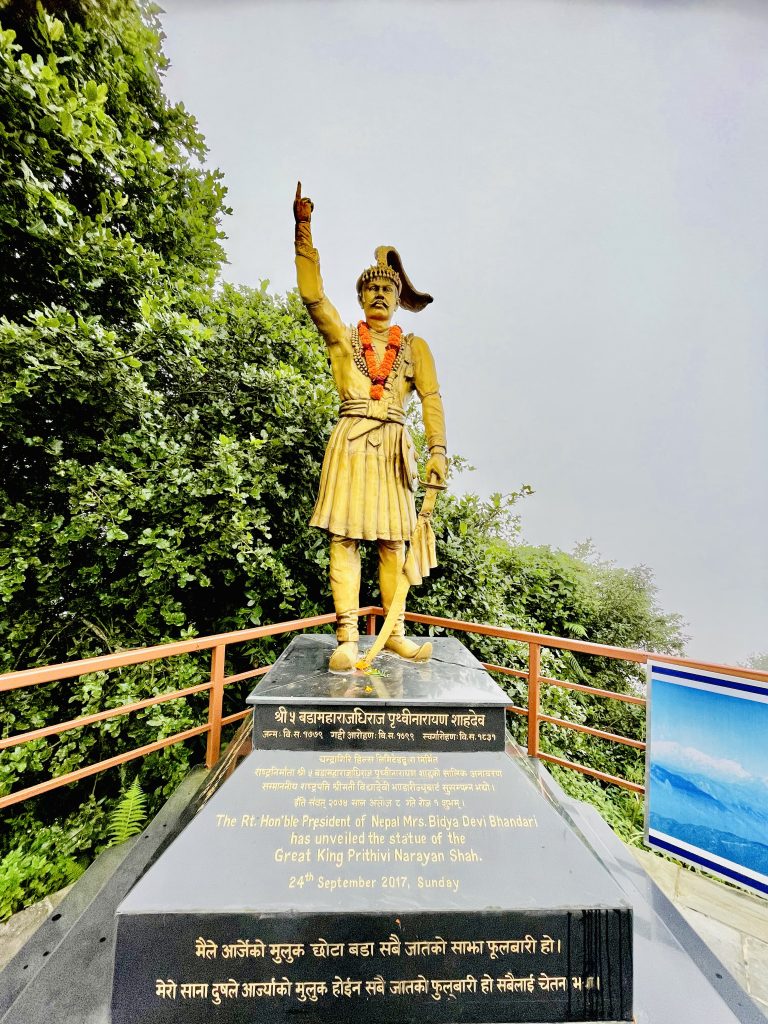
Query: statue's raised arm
[[310, 282]]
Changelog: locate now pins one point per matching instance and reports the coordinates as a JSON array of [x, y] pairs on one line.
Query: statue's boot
[[345, 587], [408, 649], [345, 657], [391, 558]]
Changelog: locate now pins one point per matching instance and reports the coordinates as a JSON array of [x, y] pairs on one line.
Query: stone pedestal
[[379, 853], [450, 703]]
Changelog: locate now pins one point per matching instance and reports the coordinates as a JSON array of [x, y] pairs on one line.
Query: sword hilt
[[428, 504]]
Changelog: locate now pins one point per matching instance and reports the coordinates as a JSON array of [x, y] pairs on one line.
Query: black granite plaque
[[432, 967], [407, 885], [448, 703]]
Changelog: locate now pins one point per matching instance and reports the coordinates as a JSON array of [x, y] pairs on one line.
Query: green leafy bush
[[41, 856], [622, 809]]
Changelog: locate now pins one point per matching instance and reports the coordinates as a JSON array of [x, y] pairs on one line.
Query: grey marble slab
[[468, 832], [452, 677]]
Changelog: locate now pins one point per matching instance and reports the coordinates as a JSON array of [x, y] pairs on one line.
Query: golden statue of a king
[[369, 473]]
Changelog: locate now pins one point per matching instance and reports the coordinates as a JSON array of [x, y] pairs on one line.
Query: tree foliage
[[110, 235], [162, 441]]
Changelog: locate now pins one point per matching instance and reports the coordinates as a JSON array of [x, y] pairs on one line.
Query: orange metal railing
[[215, 686], [535, 643], [218, 681]]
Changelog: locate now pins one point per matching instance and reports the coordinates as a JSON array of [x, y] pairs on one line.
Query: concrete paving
[[734, 924], [17, 929]]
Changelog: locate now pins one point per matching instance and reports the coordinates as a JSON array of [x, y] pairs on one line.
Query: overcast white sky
[[583, 187]]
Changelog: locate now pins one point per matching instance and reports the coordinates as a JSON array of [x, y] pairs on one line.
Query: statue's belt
[[372, 414]]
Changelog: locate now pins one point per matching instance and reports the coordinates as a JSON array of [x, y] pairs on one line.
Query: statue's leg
[[345, 587], [391, 558]]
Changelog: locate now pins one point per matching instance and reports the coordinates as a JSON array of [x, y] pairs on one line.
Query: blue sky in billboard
[[724, 736], [708, 779]]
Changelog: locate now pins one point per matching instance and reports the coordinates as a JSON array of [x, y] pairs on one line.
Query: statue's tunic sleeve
[[428, 390], [319, 307]]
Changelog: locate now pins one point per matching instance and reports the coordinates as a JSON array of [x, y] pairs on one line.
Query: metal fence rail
[[215, 686], [535, 642], [218, 681]]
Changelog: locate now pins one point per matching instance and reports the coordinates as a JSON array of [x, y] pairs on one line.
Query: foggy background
[[583, 187]]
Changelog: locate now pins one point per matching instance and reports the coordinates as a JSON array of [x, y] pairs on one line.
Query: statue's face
[[379, 300]]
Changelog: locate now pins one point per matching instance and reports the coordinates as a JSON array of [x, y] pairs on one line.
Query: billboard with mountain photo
[[707, 772]]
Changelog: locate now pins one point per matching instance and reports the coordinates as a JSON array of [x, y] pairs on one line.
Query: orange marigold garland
[[379, 373]]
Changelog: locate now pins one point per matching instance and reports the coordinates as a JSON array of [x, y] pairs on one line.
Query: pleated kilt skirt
[[365, 491]]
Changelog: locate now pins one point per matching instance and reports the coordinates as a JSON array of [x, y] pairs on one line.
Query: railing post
[[534, 666], [370, 624], [215, 702]]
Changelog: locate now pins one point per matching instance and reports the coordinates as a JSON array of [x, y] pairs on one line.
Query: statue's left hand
[[437, 468]]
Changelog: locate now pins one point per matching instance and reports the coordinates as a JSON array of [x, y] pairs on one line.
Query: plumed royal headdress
[[388, 264]]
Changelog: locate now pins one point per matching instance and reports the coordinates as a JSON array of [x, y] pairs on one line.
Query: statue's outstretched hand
[[302, 207]]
